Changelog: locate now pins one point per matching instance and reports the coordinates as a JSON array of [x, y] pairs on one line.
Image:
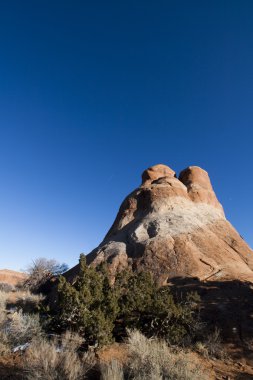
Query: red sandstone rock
[[199, 186], [174, 227], [156, 172]]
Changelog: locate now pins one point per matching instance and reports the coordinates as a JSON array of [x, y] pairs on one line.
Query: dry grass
[[26, 295], [4, 287], [53, 360], [4, 348], [22, 328], [212, 346], [3, 298], [25, 300], [154, 360], [112, 371], [4, 344], [16, 328]]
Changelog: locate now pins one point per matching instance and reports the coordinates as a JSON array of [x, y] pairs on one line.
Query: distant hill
[[11, 277]]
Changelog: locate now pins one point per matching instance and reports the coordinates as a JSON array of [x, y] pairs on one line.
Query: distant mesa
[[174, 227], [11, 277]]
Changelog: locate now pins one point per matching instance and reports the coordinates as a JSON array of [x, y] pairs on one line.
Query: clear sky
[[93, 92]]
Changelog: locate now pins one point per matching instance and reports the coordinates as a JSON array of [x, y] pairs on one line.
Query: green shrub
[[153, 310], [89, 306], [101, 312]]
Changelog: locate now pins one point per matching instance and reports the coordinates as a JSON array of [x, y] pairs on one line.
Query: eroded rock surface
[[175, 227]]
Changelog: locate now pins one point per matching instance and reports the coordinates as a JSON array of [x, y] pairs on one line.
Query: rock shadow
[[225, 304]]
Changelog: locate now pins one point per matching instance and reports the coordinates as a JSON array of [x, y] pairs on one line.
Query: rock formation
[[175, 227]]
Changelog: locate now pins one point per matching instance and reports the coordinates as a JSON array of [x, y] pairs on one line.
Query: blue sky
[[92, 93]]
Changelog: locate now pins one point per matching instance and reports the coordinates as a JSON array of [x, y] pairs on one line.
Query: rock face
[[175, 227]]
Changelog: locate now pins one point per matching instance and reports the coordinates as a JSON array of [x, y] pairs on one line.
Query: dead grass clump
[[21, 328], [3, 298], [152, 359], [17, 329], [54, 360], [4, 344], [7, 288], [211, 346], [112, 371]]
